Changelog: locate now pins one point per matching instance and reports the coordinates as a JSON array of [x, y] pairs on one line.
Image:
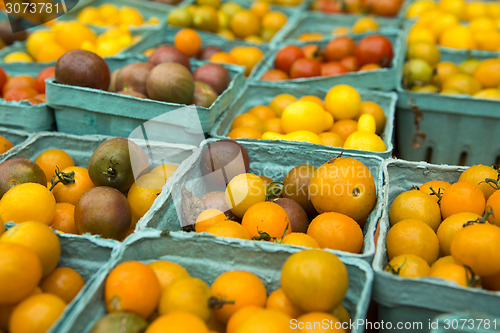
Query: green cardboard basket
[[403, 300], [80, 148], [292, 14], [261, 93], [206, 260], [81, 110], [465, 322], [166, 36], [148, 9], [273, 160], [456, 126], [315, 21], [86, 255], [381, 79]]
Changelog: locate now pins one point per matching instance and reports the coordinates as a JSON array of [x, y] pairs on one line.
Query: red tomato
[[19, 81], [3, 79], [46, 73], [327, 6], [374, 49], [274, 75], [388, 8], [350, 63], [20, 94], [333, 68], [287, 56], [339, 48], [305, 68], [313, 51]]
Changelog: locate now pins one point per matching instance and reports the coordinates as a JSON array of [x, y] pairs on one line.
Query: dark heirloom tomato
[[287, 56], [333, 68], [374, 49], [339, 48], [305, 68]]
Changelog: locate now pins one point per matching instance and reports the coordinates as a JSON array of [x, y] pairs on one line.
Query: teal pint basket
[[166, 35], [261, 93], [81, 110], [81, 148], [207, 259], [456, 127], [273, 160], [85, 255], [382, 79], [315, 21], [418, 300], [465, 322]]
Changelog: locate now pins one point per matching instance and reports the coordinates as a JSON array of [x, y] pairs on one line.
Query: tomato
[[327, 6], [287, 56], [20, 94], [3, 79], [339, 48], [388, 8], [333, 68], [305, 68], [274, 75], [313, 52], [47, 73], [350, 63], [374, 49]]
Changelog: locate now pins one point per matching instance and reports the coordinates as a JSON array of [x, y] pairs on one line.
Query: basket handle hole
[[428, 155], [463, 158]]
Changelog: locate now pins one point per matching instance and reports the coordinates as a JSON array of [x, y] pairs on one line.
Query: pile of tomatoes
[[33, 291], [389, 8], [341, 55], [77, 199], [449, 231], [323, 207], [161, 296], [25, 87]]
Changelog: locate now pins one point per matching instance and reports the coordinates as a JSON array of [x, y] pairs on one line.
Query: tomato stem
[[480, 220], [471, 278], [273, 190], [263, 236], [65, 178], [217, 303], [398, 270], [437, 194]]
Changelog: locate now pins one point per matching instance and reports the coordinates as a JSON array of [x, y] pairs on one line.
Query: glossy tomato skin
[[287, 56], [44, 74], [339, 48], [3, 79], [327, 6], [274, 75], [313, 52], [333, 68], [374, 49], [388, 8], [305, 68], [350, 63]]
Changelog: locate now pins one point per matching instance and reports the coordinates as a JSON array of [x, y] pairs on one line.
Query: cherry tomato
[[46, 73], [287, 56], [305, 68], [313, 51], [374, 49], [3, 79], [339, 48], [333, 68], [350, 63], [327, 6], [387, 8], [274, 75]]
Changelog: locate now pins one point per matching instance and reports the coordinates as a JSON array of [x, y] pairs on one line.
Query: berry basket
[[86, 255], [465, 322], [80, 148], [272, 160], [382, 79], [14, 136], [262, 93], [313, 21], [166, 35], [206, 259], [456, 127], [409, 301], [81, 110]]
